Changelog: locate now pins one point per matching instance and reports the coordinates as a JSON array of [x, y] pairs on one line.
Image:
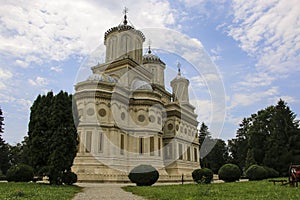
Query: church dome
[[124, 27], [151, 58], [141, 85], [101, 77]]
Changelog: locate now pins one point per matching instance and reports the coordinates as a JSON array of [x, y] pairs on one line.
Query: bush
[[229, 173], [20, 173], [256, 172], [203, 175], [271, 173], [69, 178], [143, 175], [2, 176]]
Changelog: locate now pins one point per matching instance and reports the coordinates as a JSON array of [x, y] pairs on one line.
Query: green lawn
[[36, 191], [233, 191]]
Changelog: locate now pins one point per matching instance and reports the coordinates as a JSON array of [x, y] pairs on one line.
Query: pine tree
[[217, 157], [280, 143], [213, 152], [52, 136], [238, 147], [4, 161], [271, 137]]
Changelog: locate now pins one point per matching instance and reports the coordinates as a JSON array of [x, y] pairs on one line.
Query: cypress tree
[[52, 136], [4, 160]]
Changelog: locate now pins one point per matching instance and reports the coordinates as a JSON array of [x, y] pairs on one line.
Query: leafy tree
[[271, 137], [217, 157], [18, 154], [4, 162], [52, 136]]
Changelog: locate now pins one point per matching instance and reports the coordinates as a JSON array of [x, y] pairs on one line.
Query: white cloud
[[254, 80], [56, 68], [39, 81], [54, 30], [5, 74], [215, 53], [203, 80], [269, 30], [287, 99], [22, 63], [248, 99]]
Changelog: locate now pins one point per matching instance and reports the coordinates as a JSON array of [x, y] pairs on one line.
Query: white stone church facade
[[128, 118]]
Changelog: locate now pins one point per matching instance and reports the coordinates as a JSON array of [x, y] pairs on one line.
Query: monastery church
[[128, 118]]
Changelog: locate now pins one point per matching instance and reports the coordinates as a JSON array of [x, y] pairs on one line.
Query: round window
[[90, 111], [170, 126], [141, 118], [102, 112], [123, 115], [152, 118]]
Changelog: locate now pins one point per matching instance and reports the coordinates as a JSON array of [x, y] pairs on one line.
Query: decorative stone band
[[121, 28]]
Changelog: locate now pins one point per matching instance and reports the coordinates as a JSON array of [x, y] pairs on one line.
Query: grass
[[240, 190], [36, 191]]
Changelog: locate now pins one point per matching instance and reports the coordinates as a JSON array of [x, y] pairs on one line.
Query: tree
[[214, 152], [271, 137], [4, 161], [217, 157], [52, 136], [238, 147], [203, 133], [281, 142]]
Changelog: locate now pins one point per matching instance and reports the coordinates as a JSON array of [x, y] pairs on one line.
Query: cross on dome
[[179, 66], [149, 47], [125, 11]]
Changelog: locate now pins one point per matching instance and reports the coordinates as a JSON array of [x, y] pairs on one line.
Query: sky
[[240, 56]]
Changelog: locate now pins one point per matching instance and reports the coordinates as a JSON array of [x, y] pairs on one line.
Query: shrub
[[229, 173], [2, 176], [20, 173], [271, 173], [203, 175], [143, 175], [256, 172], [69, 178]]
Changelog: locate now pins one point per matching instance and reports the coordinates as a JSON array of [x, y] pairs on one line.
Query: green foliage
[[4, 160], [238, 147], [256, 172], [35, 191], [214, 152], [2, 176], [203, 175], [69, 178], [217, 157], [271, 173], [52, 136], [251, 190], [229, 173], [143, 175], [271, 137], [20, 173]]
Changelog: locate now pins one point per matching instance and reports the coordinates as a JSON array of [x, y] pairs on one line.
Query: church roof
[[151, 58], [179, 76], [101, 77], [124, 27]]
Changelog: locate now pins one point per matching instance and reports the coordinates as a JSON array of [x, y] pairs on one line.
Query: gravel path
[[100, 191]]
